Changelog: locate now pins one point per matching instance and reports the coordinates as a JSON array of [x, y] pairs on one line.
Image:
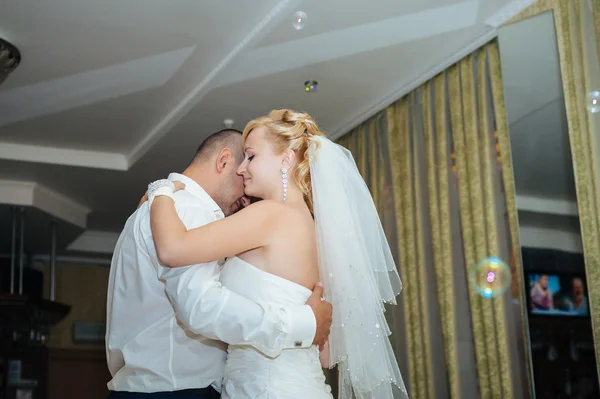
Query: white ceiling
[[111, 95]]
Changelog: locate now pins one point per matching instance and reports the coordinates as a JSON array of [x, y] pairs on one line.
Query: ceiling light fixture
[[10, 58], [299, 20], [228, 123], [311, 86]]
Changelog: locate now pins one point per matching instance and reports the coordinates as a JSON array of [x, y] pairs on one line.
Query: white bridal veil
[[359, 274]]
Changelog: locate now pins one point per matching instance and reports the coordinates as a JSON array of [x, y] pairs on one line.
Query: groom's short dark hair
[[225, 138]]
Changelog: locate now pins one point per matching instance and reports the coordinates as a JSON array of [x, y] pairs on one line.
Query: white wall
[[547, 238], [549, 223]]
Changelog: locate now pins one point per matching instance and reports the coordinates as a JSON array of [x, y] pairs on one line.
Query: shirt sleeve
[[206, 307]]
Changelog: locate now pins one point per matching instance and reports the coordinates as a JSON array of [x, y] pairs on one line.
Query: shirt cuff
[[303, 327]]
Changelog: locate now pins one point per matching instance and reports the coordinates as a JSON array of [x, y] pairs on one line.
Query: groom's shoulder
[[185, 199]]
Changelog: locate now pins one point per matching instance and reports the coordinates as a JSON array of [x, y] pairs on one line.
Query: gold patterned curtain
[[437, 163]]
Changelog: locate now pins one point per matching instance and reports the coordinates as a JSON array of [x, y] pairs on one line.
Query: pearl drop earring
[[284, 181]]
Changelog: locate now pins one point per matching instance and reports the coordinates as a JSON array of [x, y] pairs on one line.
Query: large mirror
[[558, 333]]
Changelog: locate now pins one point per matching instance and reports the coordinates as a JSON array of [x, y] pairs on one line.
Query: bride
[[316, 222]]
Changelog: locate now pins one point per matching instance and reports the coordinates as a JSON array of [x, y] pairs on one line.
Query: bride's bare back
[[291, 249]]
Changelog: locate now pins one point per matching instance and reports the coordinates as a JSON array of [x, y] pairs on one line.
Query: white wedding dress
[[249, 374]]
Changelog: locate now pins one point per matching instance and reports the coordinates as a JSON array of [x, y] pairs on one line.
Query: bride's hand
[[324, 355], [322, 310], [144, 199], [178, 186]]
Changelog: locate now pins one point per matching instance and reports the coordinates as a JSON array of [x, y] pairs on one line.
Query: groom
[[166, 327]]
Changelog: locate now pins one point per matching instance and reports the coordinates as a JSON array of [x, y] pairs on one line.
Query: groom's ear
[[224, 158]]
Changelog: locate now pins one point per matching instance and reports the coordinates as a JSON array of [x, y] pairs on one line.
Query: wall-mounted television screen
[[557, 294]]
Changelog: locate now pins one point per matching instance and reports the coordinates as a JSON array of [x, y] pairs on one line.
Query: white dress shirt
[[165, 325]]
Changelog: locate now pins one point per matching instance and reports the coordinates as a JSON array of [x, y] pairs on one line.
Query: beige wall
[[84, 288]]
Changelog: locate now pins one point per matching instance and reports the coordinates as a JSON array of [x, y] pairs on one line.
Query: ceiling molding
[[95, 241], [409, 85], [13, 192], [26, 193], [63, 156], [60, 206], [547, 205], [193, 97]]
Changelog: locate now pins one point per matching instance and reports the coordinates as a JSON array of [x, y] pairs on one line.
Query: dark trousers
[[203, 393]]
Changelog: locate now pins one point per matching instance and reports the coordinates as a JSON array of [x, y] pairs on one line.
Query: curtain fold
[[438, 167], [431, 163], [398, 149], [461, 116], [596, 16]]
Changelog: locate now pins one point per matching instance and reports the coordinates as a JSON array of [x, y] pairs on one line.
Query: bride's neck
[[293, 195]]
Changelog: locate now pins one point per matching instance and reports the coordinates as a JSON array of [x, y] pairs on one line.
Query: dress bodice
[[260, 286], [249, 374]]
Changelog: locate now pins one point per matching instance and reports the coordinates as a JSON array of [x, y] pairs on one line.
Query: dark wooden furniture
[[77, 374]]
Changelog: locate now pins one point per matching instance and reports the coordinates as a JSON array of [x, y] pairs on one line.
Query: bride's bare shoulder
[[273, 206], [265, 206], [275, 212]]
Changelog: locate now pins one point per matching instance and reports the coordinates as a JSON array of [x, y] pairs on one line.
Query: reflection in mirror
[[561, 348]]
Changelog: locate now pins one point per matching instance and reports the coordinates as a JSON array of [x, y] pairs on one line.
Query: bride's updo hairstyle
[[288, 129]]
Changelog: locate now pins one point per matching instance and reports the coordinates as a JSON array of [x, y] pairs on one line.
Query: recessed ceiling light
[[311, 86], [299, 20]]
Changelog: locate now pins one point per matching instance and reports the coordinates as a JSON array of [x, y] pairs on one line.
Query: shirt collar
[[196, 190]]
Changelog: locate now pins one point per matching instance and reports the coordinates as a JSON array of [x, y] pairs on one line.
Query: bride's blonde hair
[[293, 130]]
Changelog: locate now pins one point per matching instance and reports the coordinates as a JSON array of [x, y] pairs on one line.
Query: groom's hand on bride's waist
[[322, 310]]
